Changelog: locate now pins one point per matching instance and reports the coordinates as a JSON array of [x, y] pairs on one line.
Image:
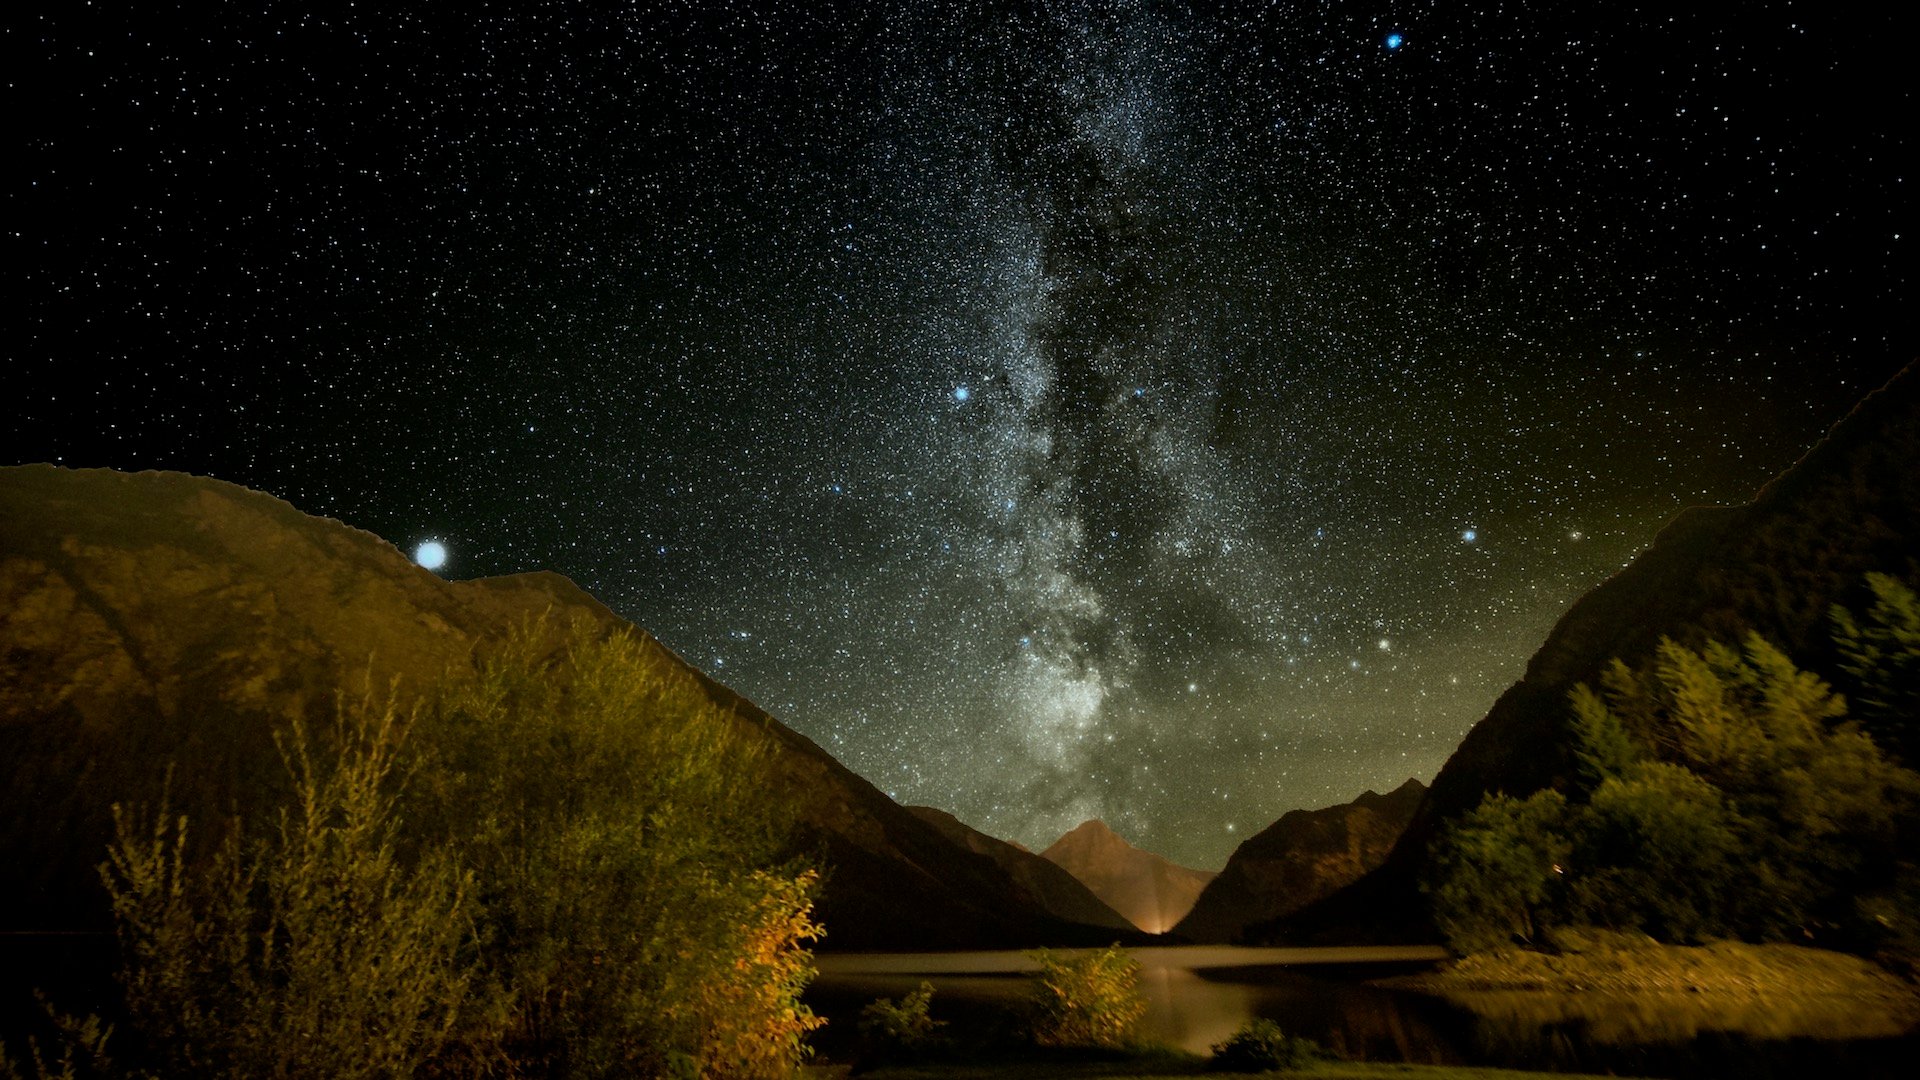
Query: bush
[[586, 883], [1089, 1000], [76, 1050], [313, 951], [899, 1030], [637, 913], [1261, 1046]]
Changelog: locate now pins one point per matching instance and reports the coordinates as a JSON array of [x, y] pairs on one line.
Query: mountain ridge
[[1849, 506], [148, 616], [1301, 857], [1059, 890]]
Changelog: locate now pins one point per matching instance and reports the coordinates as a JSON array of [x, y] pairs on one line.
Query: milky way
[[1174, 413]]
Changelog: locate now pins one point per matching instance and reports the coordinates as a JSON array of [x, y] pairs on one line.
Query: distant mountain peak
[[1153, 892], [1090, 831]]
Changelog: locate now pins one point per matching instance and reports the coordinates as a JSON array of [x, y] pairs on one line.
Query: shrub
[[900, 1029], [637, 914], [77, 1050], [587, 884], [1092, 999], [313, 951], [1261, 1046]]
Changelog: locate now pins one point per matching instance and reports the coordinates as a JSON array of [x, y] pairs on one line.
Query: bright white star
[[432, 555]]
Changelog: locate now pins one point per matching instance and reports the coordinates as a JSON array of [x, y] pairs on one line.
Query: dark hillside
[[1850, 506], [1298, 859], [159, 619]]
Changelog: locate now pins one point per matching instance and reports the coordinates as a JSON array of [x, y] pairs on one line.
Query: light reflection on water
[[1198, 996]]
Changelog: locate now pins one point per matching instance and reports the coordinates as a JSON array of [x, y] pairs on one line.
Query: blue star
[[961, 393], [1394, 40]]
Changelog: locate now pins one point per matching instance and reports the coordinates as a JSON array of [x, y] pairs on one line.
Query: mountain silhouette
[[1305, 855], [157, 618], [1152, 892], [1774, 566]]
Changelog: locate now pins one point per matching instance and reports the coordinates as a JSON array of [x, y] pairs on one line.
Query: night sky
[[1173, 413]]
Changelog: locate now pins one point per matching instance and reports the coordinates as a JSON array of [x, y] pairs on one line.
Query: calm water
[[1198, 996]]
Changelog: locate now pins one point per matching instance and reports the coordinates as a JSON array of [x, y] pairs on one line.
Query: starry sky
[[1177, 413]]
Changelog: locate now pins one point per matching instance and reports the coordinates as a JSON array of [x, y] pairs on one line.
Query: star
[[1138, 349]]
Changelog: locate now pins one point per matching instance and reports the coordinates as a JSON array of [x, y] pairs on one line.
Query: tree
[[1498, 868], [1806, 792], [1882, 655], [1658, 849], [1721, 792]]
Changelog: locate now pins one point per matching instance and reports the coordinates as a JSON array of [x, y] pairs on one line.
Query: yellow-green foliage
[[1087, 999], [1809, 790], [626, 836], [1497, 868], [748, 1011], [1661, 848], [1881, 653], [584, 882], [78, 1051], [1721, 792], [899, 1029], [312, 950]]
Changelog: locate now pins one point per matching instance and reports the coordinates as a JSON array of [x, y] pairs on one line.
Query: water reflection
[[1197, 997]]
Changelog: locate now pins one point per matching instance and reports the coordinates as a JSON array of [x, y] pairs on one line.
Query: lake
[[1197, 996]]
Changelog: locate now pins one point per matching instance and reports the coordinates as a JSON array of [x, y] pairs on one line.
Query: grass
[[1626, 989]]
